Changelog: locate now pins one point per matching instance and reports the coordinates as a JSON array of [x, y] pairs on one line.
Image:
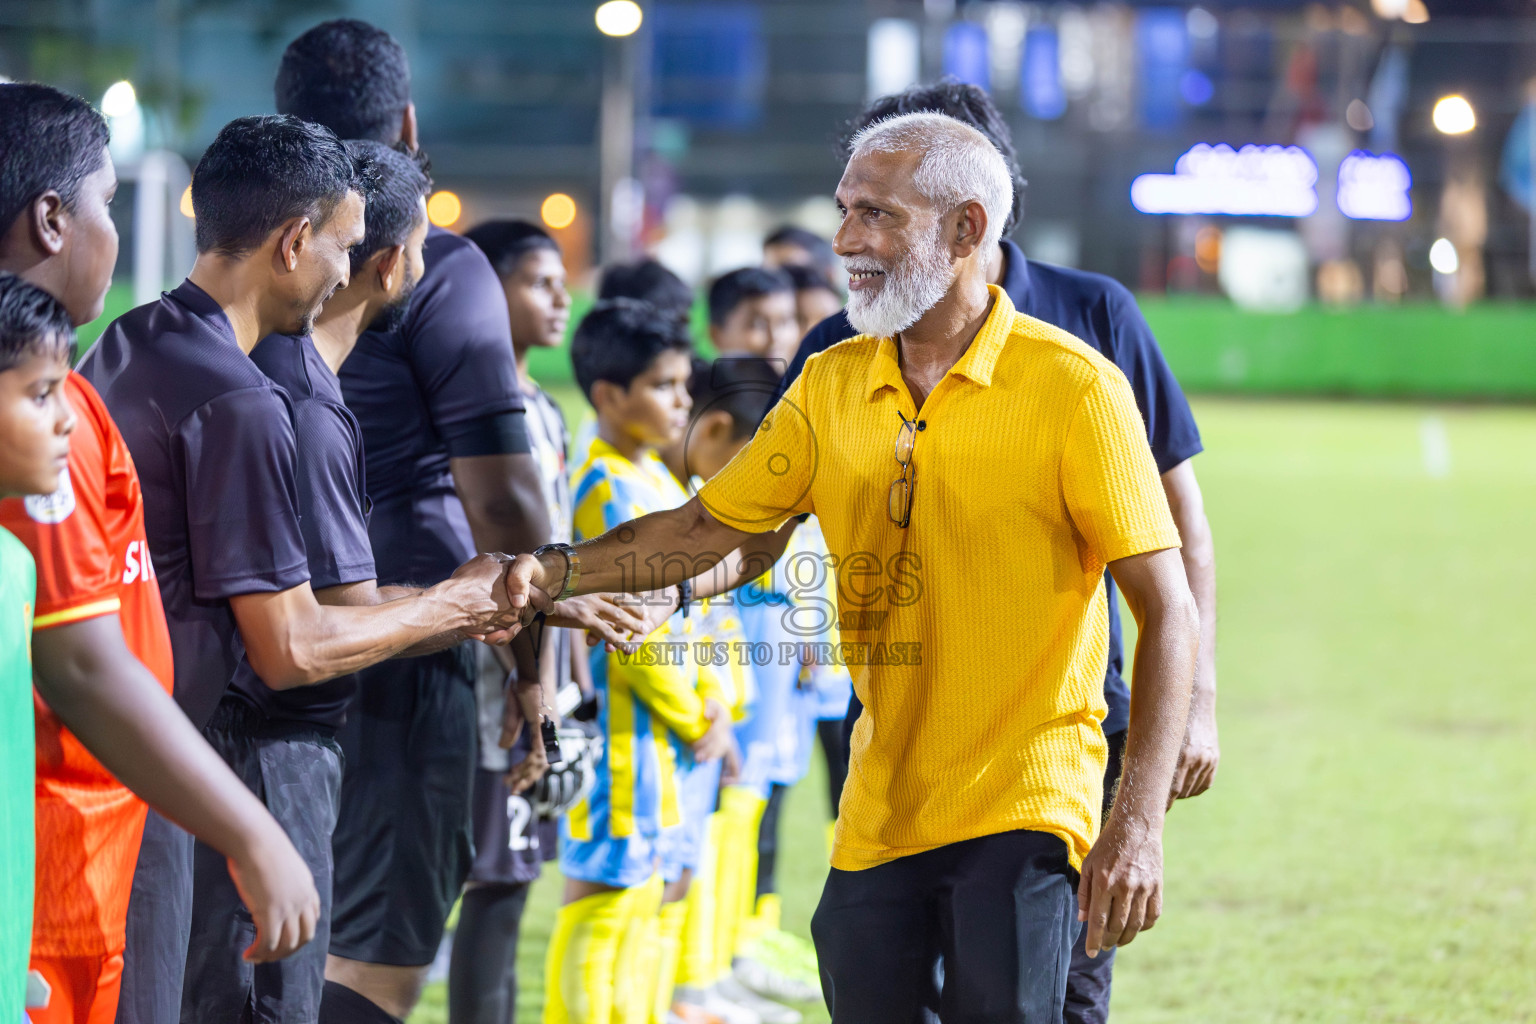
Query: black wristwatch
[[684, 596]]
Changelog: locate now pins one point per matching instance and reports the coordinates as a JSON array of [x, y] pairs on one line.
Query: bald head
[[952, 164]]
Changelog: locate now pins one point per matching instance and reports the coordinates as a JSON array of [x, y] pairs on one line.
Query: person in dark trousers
[[450, 470], [512, 841], [1102, 313], [968, 852], [279, 205], [101, 652]]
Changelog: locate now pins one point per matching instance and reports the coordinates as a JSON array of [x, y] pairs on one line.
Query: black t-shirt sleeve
[[238, 456], [1171, 429], [503, 433], [461, 351], [330, 478]]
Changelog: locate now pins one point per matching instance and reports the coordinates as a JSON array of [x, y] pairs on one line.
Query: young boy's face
[[35, 421], [653, 411], [763, 325], [537, 302]]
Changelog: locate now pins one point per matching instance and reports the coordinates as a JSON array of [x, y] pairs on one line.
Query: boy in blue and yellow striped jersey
[[701, 910], [633, 365]]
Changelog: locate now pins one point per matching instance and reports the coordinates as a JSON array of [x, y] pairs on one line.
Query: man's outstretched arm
[[293, 640], [120, 712], [1121, 892], [1201, 752], [653, 552]]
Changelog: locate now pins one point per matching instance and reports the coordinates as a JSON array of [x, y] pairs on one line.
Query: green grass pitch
[[1369, 852]]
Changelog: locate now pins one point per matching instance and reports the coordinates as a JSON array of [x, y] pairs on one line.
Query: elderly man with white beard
[[974, 472]]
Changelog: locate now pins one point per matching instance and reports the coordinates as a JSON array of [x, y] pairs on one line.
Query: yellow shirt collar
[[976, 364]]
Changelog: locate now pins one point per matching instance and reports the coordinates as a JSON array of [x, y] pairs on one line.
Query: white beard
[[910, 289]]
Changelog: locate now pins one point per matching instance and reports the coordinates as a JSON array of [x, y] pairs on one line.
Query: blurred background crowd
[[1283, 154]]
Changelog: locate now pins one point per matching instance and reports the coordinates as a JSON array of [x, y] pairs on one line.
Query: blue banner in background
[[710, 64], [1040, 89], [965, 54], [1516, 172], [1162, 56]]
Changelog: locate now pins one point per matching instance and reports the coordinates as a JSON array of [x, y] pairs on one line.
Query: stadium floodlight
[[444, 208], [120, 106], [119, 100], [1454, 115], [1374, 187], [1255, 181], [1443, 257], [619, 18], [558, 210]]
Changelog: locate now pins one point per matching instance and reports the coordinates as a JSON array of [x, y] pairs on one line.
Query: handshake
[[494, 596]]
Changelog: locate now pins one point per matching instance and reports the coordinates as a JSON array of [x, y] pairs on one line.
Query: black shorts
[[403, 841], [511, 845], [159, 919], [296, 772]]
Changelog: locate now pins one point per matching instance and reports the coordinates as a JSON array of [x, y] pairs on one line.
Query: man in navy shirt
[[449, 469], [1103, 313], [278, 209]]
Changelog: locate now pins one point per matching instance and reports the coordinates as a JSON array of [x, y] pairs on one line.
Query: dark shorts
[[977, 931], [296, 772], [403, 841], [511, 845], [1088, 980], [159, 921]]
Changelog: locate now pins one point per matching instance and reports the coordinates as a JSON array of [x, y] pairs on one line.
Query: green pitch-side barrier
[[1423, 351]]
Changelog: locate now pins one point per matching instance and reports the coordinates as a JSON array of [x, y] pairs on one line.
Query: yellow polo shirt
[[977, 635]]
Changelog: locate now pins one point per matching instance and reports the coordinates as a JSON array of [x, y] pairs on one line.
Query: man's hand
[[719, 740], [1199, 756], [529, 582], [1121, 892], [524, 708], [276, 887], [477, 589], [618, 619]]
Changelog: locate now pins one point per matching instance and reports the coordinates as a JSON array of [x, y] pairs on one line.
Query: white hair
[[959, 164]]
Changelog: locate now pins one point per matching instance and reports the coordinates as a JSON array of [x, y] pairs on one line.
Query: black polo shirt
[[442, 386], [1103, 313], [333, 508], [212, 440]]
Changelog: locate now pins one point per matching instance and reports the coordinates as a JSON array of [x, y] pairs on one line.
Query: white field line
[[1435, 446]]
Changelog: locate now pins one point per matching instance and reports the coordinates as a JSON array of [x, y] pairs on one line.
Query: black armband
[[502, 433]]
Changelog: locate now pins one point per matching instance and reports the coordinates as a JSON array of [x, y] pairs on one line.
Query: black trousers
[[297, 775], [159, 921], [768, 841], [998, 913], [1088, 980], [830, 732]]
